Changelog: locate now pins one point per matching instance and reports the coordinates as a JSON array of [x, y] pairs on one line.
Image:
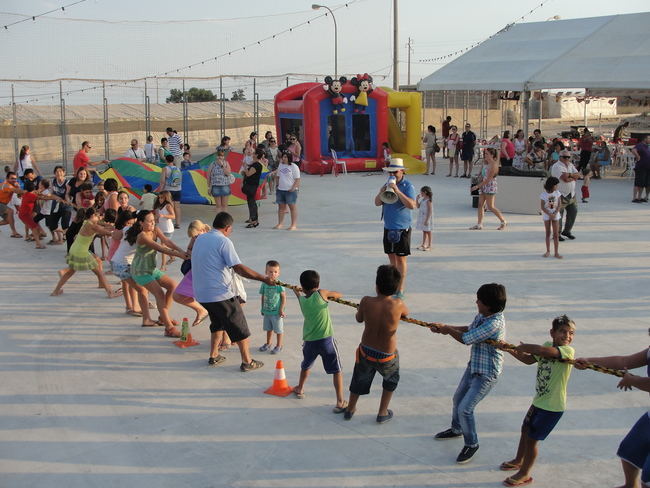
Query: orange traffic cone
[[280, 386], [187, 343], [186, 337]]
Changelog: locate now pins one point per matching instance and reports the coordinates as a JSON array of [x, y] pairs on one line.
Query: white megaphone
[[388, 195]]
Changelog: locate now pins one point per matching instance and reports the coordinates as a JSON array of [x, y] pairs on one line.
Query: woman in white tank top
[[26, 161]]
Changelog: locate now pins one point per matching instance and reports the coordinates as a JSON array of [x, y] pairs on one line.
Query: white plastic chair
[[337, 162]]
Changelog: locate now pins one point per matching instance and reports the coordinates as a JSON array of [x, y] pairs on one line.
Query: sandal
[[173, 332], [503, 225], [513, 482], [17, 236], [134, 313], [508, 466], [476, 227], [199, 320], [340, 409], [300, 394]]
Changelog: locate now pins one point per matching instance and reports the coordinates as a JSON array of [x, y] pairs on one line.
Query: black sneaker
[[569, 235], [466, 454], [251, 366], [216, 361], [446, 434], [561, 239]]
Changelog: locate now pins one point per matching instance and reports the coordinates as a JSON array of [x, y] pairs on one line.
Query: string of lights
[[34, 17], [175, 71], [472, 46]]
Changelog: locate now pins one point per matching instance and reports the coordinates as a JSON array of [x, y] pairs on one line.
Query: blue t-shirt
[[213, 255], [396, 215]]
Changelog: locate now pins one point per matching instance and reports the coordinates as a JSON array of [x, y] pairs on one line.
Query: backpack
[[175, 177]]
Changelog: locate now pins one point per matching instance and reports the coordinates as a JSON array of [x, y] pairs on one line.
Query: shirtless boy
[[378, 349]]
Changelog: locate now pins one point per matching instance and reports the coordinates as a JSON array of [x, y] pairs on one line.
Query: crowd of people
[[129, 241]]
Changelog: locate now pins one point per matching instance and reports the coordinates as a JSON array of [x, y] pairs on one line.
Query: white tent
[[610, 52]]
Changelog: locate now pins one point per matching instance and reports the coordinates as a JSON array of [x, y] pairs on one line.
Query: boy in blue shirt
[[549, 402], [274, 299], [483, 369]]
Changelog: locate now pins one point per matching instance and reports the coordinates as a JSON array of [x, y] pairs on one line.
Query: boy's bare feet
[[546, 254], [114, 293], [558, 256]]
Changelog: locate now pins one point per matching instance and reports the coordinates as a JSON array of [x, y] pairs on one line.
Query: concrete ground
[[89, 399]]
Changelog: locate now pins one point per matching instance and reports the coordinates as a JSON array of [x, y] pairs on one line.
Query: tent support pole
[[526, 111]]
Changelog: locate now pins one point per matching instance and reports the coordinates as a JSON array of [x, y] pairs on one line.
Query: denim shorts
[[286, 197], [273, 323], [122, 271], [220, 190], [176, 195], [366, 366]]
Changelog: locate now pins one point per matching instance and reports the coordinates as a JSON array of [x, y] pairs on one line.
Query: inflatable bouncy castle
[[353, 119]]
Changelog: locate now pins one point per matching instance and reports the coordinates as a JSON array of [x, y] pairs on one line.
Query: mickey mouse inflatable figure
[[364, 87], [334, 88]]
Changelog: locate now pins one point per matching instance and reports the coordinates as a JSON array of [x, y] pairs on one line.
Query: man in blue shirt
[[214, 262], [397, 219]]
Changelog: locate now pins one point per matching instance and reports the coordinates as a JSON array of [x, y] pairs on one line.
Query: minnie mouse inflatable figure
[[364, 87], [334, 88]]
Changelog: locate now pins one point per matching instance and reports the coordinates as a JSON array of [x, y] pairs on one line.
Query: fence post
[[222, 109], [186, 125], [64, 141], [147, 111], [107, 148], [465, 107], [14, 121]]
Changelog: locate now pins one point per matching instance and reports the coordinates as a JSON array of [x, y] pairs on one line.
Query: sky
[[125, 39]]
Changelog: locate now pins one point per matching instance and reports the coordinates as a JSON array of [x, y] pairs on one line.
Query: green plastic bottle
[[185, 330]]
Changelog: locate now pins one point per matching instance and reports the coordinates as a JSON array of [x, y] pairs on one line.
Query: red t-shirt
[[27, 204], [80, 160]]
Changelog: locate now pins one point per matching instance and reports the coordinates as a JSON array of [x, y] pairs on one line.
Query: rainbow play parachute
[[132, 175]]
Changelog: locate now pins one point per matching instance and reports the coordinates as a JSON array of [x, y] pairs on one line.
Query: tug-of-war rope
[[504, 346]]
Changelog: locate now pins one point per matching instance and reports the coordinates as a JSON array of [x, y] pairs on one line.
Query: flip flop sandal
[[198, 322], [506, 466], [299, 395], [340, 409], [16, 236], [149, 325], [511, 482], [134, 313]]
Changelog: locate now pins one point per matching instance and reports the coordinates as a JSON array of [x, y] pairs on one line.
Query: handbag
[[436, 147], [186, 266], [237, 285]]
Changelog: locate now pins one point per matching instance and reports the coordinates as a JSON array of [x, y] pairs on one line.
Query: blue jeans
[[471, 390]]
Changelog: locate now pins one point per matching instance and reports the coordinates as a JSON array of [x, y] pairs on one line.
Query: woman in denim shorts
[[287, 192], [219, 178]]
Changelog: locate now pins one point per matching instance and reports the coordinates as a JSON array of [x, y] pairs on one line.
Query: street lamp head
[[315, 6]]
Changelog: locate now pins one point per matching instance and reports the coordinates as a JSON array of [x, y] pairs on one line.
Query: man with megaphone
[[397, 197]]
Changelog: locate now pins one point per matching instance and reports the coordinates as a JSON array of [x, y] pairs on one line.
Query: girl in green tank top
[[147, 236], [80, 258]]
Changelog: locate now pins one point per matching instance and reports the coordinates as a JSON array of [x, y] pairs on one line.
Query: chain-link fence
[[55, 117]]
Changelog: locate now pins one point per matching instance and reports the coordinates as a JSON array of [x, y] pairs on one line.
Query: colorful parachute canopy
[[132, 175]]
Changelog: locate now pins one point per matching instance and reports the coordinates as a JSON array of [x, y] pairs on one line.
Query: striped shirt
[[175, 145], [485, 359]]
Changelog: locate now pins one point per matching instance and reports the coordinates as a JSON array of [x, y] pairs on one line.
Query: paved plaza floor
[[90, 399]]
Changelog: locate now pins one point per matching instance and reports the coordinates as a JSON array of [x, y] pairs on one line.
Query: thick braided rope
[[504, 346]]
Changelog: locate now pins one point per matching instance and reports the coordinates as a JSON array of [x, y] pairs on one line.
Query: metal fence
[[55, 117]]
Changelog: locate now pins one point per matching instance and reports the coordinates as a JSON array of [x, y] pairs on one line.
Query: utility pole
[[409, 46], [395, 47]]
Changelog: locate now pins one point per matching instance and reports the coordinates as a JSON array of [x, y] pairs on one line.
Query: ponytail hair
[[492, 151], [23, 151], [135, 229], [122, 218]]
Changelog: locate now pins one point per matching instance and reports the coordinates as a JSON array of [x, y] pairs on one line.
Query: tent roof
[[596, 53]]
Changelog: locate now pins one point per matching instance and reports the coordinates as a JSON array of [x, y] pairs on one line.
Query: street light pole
[[316, 6], [395, 46]]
